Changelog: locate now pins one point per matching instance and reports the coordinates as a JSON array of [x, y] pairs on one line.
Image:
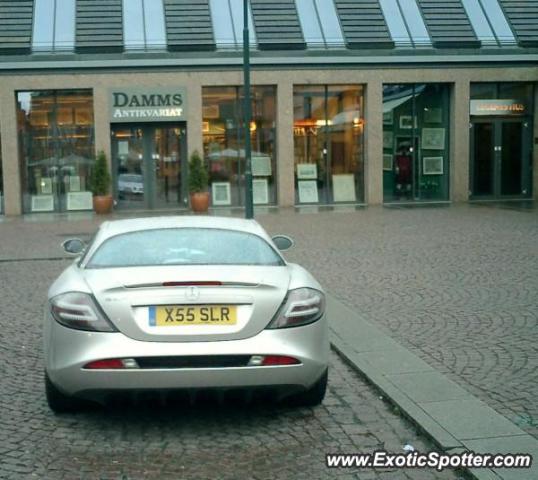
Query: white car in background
[[130, 184], [161, 304]]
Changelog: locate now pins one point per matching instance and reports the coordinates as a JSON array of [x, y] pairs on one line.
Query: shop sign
[[147, 105], [498, 107]]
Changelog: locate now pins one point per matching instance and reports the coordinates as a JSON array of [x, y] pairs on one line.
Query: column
[[374, 143], [194, 118], [459, 141], [285, 151], [10, 153], [101, 119]]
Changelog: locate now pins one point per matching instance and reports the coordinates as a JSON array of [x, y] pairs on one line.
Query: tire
[[314, 395], [60, 402]]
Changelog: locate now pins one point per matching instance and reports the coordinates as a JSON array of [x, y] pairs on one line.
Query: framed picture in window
[[220, 193], [432, 165], [260, 191], [261, 165], [344, 188], [406, 122], [387, 162], [42, 203], [307, 171], [433, 138], [79, 201], [308, 191]]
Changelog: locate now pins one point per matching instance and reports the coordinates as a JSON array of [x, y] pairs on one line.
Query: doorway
[[149, 164], [500, 158]]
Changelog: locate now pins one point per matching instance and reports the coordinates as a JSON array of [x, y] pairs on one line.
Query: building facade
[[353, 102]]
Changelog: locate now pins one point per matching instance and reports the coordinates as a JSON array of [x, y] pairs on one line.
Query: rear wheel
[[314, 395], [60, 402]]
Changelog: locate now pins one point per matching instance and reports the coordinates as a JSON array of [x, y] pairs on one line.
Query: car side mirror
[[283, 242], [74, 246]]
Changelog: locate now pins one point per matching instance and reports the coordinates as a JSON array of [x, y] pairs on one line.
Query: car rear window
[[184, 246]]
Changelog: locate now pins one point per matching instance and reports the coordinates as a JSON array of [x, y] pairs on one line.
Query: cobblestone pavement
[[260, 441], [458, 286]]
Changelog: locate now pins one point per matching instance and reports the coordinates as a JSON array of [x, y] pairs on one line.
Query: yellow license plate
[[180, 315]]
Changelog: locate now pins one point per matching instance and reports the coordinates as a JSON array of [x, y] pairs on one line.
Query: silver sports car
[[171, 303]]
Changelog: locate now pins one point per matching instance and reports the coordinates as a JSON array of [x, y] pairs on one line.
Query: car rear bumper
[[67, 351]]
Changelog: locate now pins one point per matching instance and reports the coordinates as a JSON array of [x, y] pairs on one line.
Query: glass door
[[129, 166], [511, 158], [170, 166], [149, 165], [501, 152], [483, 151]]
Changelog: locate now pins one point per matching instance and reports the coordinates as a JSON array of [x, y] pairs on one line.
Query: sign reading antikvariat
[[147, 105]]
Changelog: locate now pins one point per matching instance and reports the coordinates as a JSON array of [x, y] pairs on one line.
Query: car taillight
[[111, 364], [79, 311], [271, 360], [301, 307]]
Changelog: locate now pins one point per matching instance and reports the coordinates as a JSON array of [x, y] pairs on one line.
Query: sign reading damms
[[147, 105]]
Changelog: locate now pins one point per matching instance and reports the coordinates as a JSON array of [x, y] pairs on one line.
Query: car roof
[[117, 227]]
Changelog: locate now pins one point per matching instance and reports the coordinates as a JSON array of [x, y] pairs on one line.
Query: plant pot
[[200, 202], [102, 204]]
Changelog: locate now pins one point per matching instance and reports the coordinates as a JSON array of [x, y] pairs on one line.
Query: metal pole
[[249, 207]]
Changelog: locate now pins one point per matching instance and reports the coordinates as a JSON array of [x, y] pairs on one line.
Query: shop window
[[328, 136], [320, 24], [143, 24], [415, 142], [54, 26], [56, 141], [405, 23], [489, 22], [227, 19], [223, 134]]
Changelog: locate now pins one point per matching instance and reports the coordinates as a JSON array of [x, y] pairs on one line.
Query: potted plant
[[100, 185], [198, 182]]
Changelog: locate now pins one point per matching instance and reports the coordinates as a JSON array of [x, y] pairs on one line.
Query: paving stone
[[456, 286], [258, 441]]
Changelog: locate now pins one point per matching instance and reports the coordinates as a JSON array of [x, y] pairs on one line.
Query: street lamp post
[[249, 207]]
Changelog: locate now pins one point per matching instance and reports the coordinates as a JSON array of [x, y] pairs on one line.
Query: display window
[[57, 149], [328, 134], [415, 142], [223, 135]]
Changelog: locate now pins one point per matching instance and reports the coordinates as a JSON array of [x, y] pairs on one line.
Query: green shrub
[[100, 176], [198, 175]]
